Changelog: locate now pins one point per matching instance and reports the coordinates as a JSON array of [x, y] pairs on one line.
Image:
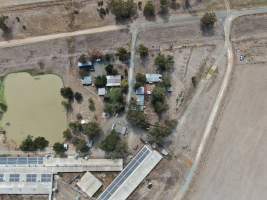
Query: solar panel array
[[1, 177], [31, 178], [46, 177], [14, 178], [21, 160], [126, 172]]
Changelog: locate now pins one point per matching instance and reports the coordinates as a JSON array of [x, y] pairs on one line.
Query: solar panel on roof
[[31, 177], [21, 160], [46, 177], [14, 178], [1, 177], [126, 172]]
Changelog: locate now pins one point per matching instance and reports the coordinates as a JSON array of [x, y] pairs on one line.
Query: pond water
[[34, 107]]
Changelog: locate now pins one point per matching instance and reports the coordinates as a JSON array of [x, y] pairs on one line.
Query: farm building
[[113, 81], [153, 78]]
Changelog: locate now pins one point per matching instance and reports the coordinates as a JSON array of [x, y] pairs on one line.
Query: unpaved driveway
[[236, 167]]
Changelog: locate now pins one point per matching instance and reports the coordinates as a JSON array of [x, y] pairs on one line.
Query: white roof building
[[89, 184], [101, 91], [113, 81], [153, 78]]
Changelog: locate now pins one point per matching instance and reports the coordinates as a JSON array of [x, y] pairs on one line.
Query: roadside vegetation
[[34, 144]]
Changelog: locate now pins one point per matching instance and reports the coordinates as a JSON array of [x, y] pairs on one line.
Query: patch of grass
[[3, 104]]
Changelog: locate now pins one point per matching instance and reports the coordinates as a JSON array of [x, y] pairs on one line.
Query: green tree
[[149, 9], [158, 99], [141, 78], [164, 63], [124, 86], [123, 54], [3, 24], [114, 146], [100, 81], [67, 134], [40, 143], [123, 9], [81, 146], [158, 133], [92, 130], [67, 93], [110, 70], [91, 104], [28, 144], [78, 97], [164, 7], [67, 105], [143, 51], [136, 117], [59, 148], [83, 58], [114, 101], [208, 20]]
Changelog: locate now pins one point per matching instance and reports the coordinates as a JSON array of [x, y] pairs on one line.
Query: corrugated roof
[[140, 91], [87, 80], [101, 91], [153, 78], [89, 184], [113, 80]]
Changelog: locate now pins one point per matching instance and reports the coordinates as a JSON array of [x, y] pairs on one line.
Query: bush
[[123, 54], [92, 130], [158, 99], [164, 63], [59, 148], [78, 97], [67, 135], [124, 86], [149, 9], [164, 7], [81, 146], [114, 101], [91, 104], [113, 145], [100, 81], [143, 51], [123, 9], [30, 144], [208, 20], [67, 93], [136, 117], [110, 70]]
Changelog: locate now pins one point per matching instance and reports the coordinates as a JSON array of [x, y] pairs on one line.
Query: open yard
[[235, 166]]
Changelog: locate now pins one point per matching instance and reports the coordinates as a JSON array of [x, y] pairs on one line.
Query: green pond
[[34, 107]]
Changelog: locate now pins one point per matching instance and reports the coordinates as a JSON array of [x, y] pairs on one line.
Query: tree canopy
[[149, 9], [208, 20], [158, 99], [164, 63], [59, 148], [113, 145], [123, 54], [110, 70], [3, 24], [100, 81], [123, 9], [114, 102], [67, 93], [92, 130], [143, 51], [31, 144]]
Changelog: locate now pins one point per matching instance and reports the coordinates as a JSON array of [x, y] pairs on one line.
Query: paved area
[[236, 165]]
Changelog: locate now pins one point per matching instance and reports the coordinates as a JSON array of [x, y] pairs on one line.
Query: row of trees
[[34, 144]]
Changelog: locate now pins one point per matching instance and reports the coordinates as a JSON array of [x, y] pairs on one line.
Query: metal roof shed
[[87, 80], [153, 78], [140, 91], [113, 81], [89, 184], [101, 91]]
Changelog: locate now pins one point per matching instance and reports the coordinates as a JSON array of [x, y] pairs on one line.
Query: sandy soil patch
[[235, 165]]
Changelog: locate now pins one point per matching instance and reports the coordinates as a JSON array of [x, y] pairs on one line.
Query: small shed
[[101, 91], [113, 81], [87, 80], [153, 78], [89, 184], [140, 91], [86, 65], [140, 101]]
